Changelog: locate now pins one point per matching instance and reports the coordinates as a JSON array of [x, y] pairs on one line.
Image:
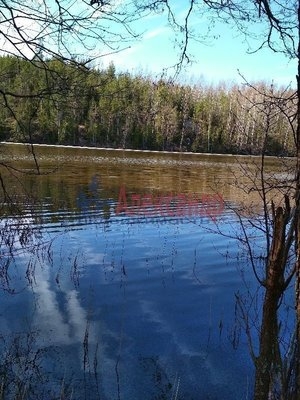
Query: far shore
[[143, 151]]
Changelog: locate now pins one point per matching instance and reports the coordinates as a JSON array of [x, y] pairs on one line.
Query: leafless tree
[[79, 32]]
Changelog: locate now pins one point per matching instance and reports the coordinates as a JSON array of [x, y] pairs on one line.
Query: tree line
[[58, 102]]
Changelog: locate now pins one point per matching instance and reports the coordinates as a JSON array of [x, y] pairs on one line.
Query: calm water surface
[[126, 289]]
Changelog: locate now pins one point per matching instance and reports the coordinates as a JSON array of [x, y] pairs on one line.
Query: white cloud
[[155, 32]]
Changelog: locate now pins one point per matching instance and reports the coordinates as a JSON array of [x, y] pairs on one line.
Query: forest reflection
[[89, 250]]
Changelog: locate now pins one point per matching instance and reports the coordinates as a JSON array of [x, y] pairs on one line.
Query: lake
[[120, 272]]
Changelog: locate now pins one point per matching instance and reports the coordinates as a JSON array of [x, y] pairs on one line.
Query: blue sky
[[215, 61]]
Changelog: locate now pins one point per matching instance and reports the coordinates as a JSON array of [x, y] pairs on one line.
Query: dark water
[[124, 285]]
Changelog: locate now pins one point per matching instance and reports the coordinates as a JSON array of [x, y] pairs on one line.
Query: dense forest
[[65, 103]]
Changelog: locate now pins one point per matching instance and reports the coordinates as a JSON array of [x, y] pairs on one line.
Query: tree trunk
[[297, 196], [267, 355], [268, 359]]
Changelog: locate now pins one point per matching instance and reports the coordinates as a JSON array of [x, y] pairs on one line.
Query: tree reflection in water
[[27, 366]]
